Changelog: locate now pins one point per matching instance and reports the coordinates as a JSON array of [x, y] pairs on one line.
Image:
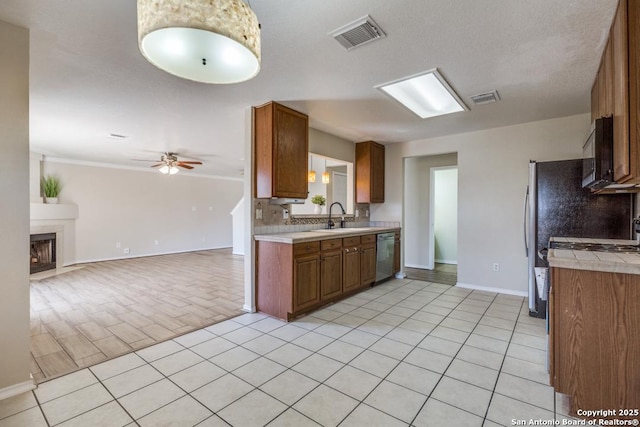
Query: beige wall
[[333, 146], [492, 178], [14, 211], [137, 208]]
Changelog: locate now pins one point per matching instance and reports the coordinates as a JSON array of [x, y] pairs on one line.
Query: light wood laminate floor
[[110, 308], [446, 274]]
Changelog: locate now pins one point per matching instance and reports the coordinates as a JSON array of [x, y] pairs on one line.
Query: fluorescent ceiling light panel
[[427, 94]]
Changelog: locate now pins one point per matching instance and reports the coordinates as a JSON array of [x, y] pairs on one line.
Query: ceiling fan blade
[[184, 166], [156, 165], [143, 160], [190, 163]]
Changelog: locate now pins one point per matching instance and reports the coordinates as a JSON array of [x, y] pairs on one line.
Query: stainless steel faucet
[[330, 223]]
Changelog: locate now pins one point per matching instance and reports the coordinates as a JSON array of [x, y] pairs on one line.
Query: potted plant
[[51, 188], [319, 201]]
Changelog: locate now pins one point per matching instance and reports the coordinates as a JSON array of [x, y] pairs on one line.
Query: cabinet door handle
[[346, 250]]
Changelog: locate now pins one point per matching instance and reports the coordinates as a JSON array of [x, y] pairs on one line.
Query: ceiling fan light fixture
[[208, 41]]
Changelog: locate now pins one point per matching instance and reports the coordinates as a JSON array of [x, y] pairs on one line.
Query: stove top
[[597, 247]]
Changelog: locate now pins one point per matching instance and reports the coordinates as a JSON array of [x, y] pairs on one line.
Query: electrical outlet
[[285, 214], [258, 213], [117, 245], [496, 266], [357, 213], [155, 242], [126, 251], [366, 213]]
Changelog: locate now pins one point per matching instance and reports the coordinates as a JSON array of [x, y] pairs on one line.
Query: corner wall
[[14, 211], [492, 179]]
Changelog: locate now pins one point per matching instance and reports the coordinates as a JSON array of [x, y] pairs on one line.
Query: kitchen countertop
[[321, 234], [592, 260]]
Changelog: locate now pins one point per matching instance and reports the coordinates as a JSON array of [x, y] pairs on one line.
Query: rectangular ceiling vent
[[486, 98], [357, 33]]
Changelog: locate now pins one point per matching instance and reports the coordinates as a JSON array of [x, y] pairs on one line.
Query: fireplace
[[43, 252]]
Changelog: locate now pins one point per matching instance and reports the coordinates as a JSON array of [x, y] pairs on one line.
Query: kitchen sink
[[343, 230]]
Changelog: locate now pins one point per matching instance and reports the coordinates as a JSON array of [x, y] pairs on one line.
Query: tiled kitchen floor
[[402, 353]]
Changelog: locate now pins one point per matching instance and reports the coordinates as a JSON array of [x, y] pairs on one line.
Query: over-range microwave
[[597, 155]]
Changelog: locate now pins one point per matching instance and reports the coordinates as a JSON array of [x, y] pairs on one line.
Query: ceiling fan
[[169, 163]]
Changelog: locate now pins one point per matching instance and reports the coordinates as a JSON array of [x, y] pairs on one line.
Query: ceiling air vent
[[486, 98], [357, 33]]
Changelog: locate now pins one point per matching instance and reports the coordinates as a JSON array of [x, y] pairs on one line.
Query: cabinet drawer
[[306, 248], [351, 241], [331, 244], [368, 239]]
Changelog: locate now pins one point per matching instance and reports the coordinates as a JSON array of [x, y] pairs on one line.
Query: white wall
[[417, 184], [137, 208], [492, 178], [445, 218], [14, 211]]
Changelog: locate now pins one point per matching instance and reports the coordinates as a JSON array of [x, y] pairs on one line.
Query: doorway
[[430, 245]]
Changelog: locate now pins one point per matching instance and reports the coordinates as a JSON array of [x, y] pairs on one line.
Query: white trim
[[492, 289], [432, 203], [148, 255], [16, 389], [237, 253], [248, 309], [421, 267], [447, 261], [133, 168]]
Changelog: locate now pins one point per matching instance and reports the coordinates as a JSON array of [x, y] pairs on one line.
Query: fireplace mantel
[[59, 219], [45, 211]]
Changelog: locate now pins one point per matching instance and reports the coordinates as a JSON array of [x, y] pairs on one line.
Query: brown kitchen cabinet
[[281, 141], [616, 90], [351, 264], [330, 269], [594, 353], [369, 172], [306, 276], [368, 259]]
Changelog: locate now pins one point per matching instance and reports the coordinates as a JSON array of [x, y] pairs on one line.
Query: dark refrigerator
[[556, 205]]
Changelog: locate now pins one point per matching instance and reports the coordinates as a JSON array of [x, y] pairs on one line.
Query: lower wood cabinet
[[594, 350], [351, 264], [292, 279], [330, 269]]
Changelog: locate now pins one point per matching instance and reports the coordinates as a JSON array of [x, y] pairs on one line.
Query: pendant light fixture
[[325, 174], [208, 41], [311, 177]]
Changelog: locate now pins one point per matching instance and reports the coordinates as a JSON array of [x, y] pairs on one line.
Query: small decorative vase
[[317, 209], [51, 200]]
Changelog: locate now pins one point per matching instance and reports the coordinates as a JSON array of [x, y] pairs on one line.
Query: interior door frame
[[432, 234]]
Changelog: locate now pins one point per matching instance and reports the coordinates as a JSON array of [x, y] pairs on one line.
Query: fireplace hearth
[[43, 252]]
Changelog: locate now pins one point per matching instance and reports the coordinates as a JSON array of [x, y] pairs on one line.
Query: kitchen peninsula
[[594, 319], [298, 272]]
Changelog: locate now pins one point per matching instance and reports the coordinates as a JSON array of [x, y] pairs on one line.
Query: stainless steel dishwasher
[[384, 257]]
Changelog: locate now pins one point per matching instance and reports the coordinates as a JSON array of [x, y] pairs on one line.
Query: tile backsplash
[[273, 221]]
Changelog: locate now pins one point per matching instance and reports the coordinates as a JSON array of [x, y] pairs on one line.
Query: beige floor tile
[[234, 358], [93, 331], [522, 389], [353, 382], [112, 346], [436, 413], [65, 385], [176, 362], [196, 376], [44, 344], [150, 398], [110, 414], [292, 418], [221, 392], [116, 366], [315, 404], [30, 417], [185, 411], [476, 399], [127, 333], [318, 367], [395, 400], [414, 378], [256, 409], [78, 346], [56, 363], [130, 381], [259, 371], [503, 410], [75, 403], [15, 404]]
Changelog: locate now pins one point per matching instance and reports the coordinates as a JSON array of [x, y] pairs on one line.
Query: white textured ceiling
[[88, 78]]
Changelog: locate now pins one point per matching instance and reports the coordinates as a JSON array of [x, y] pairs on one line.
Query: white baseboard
[[86, 261], [16, 389], [447, 261], [420, 266], [248, 308], [237, 253], [491, 289]]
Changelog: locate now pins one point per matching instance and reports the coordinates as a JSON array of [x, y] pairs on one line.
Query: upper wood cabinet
[[281, 141], [369, 172]]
